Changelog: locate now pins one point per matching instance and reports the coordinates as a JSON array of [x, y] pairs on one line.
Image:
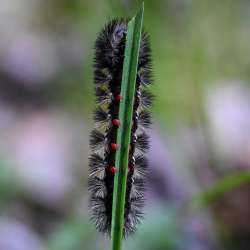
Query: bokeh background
[[200, 137]]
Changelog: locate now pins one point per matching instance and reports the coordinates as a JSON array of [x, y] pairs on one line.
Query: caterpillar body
[[108, 65]]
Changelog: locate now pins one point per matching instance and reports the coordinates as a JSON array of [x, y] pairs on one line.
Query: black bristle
[[102, 76], [97, 166], [144, 77], [141, 165], [103, 96], [97, 139], [137, 189], [109, 43], [108, 64], [98, 214], [144, 119], [101, 116], [147, 99], [142, 142], [97, 188]]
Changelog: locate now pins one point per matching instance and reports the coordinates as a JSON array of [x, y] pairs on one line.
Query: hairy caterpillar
[[109, 56]]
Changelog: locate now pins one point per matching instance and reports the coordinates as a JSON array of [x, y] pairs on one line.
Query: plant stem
[[124, 133]]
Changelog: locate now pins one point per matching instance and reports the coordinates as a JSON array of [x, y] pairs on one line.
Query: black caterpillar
[[109, 56]]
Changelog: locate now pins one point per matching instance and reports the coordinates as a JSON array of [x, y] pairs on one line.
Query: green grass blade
[[123, 137], [220, 188]]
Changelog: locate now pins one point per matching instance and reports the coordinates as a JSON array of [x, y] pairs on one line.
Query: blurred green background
[[200, 141]]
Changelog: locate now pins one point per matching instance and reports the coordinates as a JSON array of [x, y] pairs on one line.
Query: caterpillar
[[108, 65]]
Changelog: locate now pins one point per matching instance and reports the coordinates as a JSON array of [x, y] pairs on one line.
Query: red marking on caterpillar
[[114, 146], [130, 169], [116, 122], [108, 64], [118, 98], [113, 170]]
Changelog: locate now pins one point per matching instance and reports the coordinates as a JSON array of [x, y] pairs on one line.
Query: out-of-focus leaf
[[8, 183], [74, 234], [220, 188]]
